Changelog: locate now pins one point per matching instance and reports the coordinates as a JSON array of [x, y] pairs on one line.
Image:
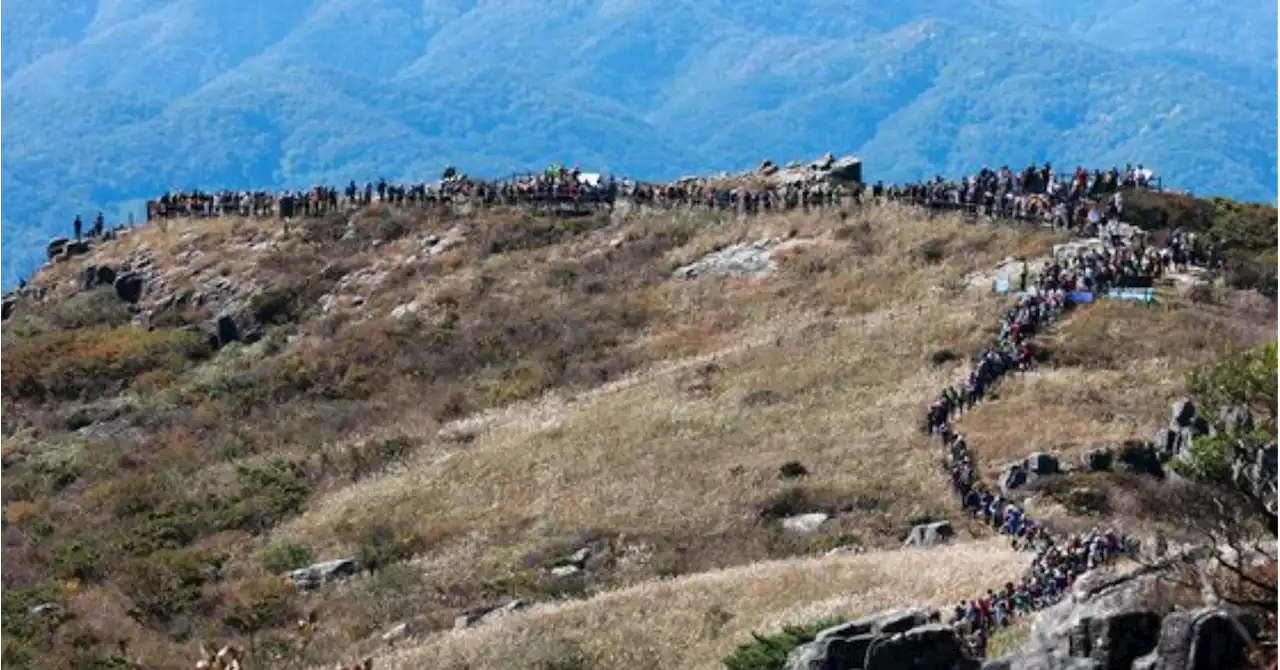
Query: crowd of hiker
[[1057, 560], [1084, 198]]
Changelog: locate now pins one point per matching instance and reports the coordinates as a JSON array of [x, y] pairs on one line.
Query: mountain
[[113, 101]]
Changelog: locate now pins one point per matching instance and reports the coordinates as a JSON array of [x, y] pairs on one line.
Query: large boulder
[[1205, 639], [129, 287], [1013, 478], [1253, 470], [845, 647], [1099, 459], [98, 275], [1140, 457], [930, 534], [929, 647], [847, 169], [55, 247], [1236, 419], [1041, 463], [319, 574]]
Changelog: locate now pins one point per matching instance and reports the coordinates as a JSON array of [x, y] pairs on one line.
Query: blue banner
[[1080, 296], [1139, 294], [1002, 286]]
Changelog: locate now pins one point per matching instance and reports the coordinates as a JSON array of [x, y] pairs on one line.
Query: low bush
[[94, 362], [770, 652], [285, 557]]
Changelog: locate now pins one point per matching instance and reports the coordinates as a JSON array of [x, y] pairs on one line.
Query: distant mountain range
[[112, 101]]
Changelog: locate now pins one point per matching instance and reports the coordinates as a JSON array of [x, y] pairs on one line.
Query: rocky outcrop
[[908, 638], [129, 287], [930, 534], [1124, 624], [753, 259], [1253, 471], [1185, 424], [319, 574]]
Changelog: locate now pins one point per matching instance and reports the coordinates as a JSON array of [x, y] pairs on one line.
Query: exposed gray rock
[[396, 632], [1098, 460], [98, 275], [562, 571], [55, 246], [1041, 463], [1236, 419], [1141, 458], [226, 330], [319, 574], [129, 287], [805, 523], [1012, 478], [488, 615], [1253, 470], [930, 534], [929, 647], [847, 645]]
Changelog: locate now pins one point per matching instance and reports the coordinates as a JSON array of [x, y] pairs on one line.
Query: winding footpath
[[1057, 560]]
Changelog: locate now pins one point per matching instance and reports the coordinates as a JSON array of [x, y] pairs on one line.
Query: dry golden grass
[[693, 622]]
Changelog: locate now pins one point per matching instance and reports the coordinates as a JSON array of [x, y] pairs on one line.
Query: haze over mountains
[[112, 101]]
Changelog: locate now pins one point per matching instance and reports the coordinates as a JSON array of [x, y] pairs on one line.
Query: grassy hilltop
[[463, 401]]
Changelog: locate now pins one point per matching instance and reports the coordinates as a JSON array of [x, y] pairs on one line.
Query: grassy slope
[[591, 414]]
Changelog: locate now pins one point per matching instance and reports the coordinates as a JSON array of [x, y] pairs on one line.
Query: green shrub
[[288, 556], [90, 309], [1240, 377], [260, 605], [382, 545], [770, 652], [167, 584]]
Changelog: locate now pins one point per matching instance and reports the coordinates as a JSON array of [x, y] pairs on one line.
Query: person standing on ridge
[[76, 226]]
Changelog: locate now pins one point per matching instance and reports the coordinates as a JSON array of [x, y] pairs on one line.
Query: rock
[[930, 647], [1140, 458], [847, 169], [805, 523], [129, 287], [1098, 460], [1012, 478], [825, 162], [493, 614], [97, 275], [45, 608], [766, 167], [319, 574], [1041, 463], [406, 310], [930, 534], [396, 632], [1236, 419], [6, 308], [1184, 412], [580, 557], [830, 653], [1253, 470], [792, 470], [846, 645], [74, 249], [226, 330], [1204, 639], [55, 247], [734, 261], [561, 571]]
